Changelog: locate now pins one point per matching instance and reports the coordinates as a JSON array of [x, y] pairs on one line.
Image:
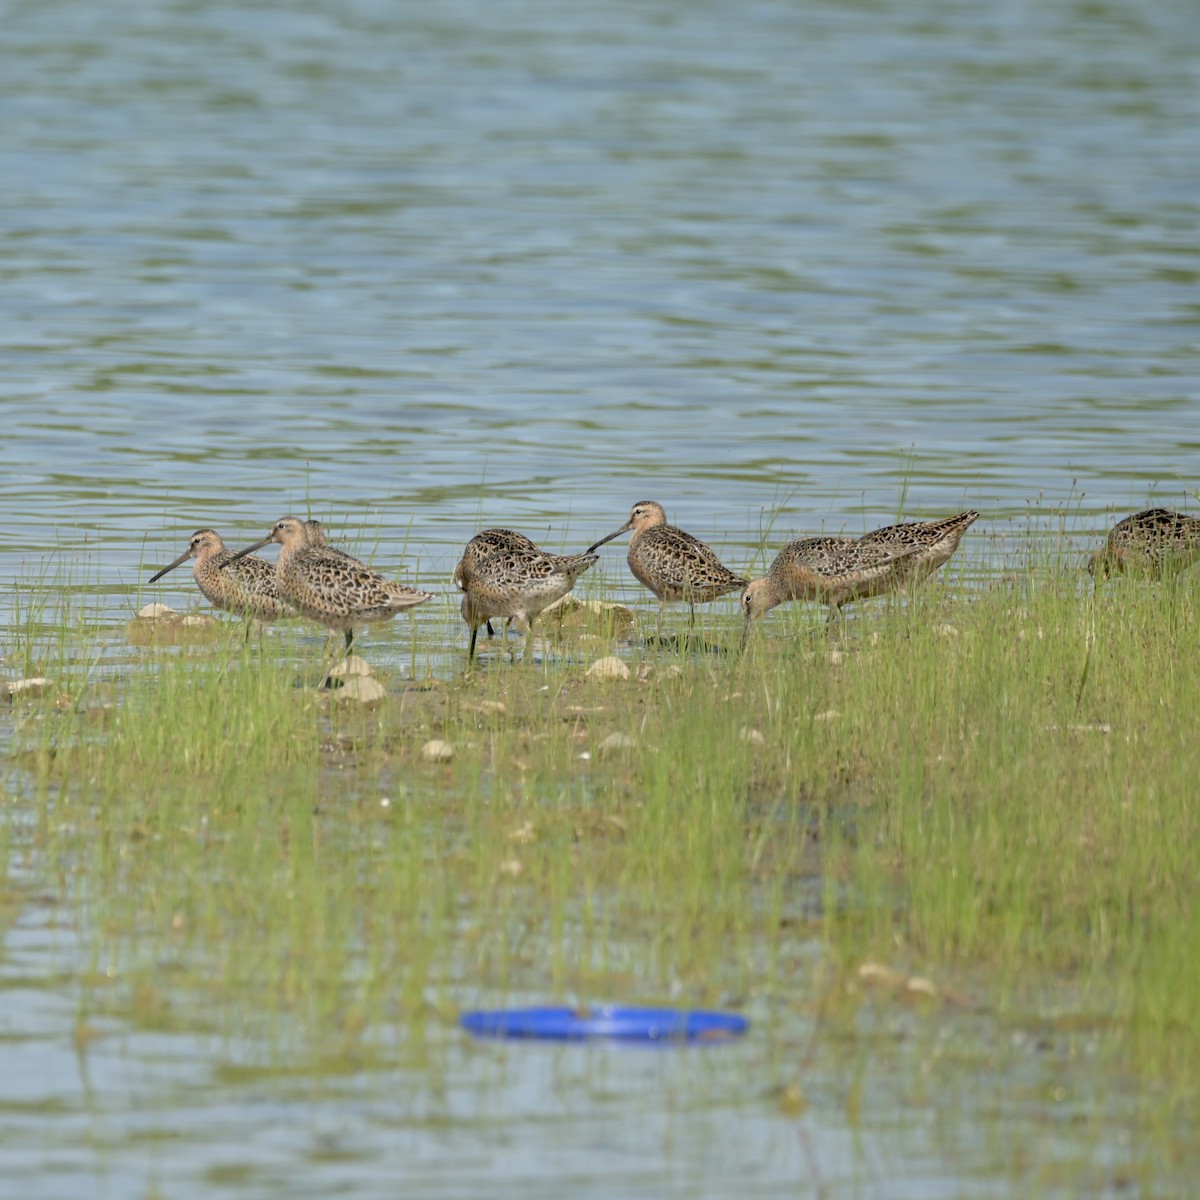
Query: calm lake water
[[418, 269]]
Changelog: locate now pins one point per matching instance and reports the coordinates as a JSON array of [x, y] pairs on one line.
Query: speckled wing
[[250, 585], [678, 562], [256, 575], [927, 534], [934, 541], [836, 557], [329, 585], [483, 545], [1155, 541], [520, 583], [530, 573]]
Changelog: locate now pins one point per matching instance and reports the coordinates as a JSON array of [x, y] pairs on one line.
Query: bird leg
[[835, 624]]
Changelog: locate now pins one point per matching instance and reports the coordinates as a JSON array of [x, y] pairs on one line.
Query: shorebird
[[933, 542], [247, 588], [518, 583], [486, 542], [315, 533], [830, 570], [672, 564], [331, 589], [1153, 543]]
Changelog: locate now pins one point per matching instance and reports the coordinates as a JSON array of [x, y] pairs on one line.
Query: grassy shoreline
[[959, 789]]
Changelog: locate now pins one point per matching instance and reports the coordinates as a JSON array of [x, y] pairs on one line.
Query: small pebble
[[156, 612], [648, 673], [616, 743], [918, 985], [363, 689], [198, 621], [29, 689], [879, 973], [569, 610], [436, 750], [350, 667], [608, 668]]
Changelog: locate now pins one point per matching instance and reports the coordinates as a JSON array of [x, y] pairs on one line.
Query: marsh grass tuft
[[942, 787]]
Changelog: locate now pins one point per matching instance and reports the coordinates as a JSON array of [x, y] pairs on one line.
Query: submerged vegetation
[[983, 805]]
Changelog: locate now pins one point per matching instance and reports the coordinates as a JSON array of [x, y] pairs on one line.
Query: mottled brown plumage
[[315, 534], [1153, 543], [518, 583], [672, 564], [933, 541], [332, 589], [830, 570], [483, 544], [247, 588]]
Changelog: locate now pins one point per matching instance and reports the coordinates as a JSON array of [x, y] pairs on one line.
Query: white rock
[[608, 668], [647, 673], [616, 743], [156, 612], [363, 689], [570, 610], [564, 604], [350, 667], [918, 985], [436, 750], [28, 688], [198, 621]]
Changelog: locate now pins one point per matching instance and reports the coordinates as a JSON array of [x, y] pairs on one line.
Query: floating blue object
[[614, 1024]]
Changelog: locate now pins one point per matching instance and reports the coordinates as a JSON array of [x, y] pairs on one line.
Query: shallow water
[[132, 1109], [779, 267]]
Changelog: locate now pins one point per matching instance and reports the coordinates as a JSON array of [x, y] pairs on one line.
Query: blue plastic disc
[[613, 1024]]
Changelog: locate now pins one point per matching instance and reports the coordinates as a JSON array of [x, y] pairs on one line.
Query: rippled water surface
[[416, 269]]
